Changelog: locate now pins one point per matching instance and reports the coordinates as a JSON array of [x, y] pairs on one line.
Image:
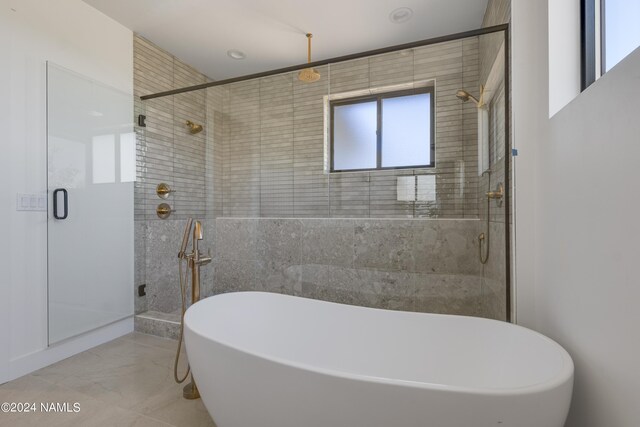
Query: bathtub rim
[[565, 372]]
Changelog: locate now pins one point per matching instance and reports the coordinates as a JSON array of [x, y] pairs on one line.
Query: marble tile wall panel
[[162, 243], [428, 246], [421, 265], [140, 261], [207, 246]]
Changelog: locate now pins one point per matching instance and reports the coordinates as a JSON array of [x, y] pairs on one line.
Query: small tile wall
[[167, 152], [271, 136]]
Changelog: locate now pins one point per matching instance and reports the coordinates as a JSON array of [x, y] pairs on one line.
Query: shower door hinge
[[141, 290], [141, 120]]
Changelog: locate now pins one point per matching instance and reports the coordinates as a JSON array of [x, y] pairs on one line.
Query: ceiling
[[272, 32]]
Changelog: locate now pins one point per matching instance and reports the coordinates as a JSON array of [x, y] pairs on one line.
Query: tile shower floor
[[125, 382]]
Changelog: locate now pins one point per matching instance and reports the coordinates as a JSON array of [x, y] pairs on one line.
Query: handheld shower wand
[[185, 238], [196, 261]]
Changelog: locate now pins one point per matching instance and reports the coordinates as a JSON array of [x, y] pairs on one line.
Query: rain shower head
[[308, 75], [464, 96]]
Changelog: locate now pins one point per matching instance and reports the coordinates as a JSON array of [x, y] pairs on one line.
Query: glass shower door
[[91, 174]]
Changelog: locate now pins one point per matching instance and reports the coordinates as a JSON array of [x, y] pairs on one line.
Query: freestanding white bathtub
[[271, 360]]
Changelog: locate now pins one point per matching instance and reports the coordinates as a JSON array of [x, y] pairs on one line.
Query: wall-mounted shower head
[[464, 96], [194, 128]]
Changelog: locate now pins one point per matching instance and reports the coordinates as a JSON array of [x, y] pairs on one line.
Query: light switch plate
[[31, 202]]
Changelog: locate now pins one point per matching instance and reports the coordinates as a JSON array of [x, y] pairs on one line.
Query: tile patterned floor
[[125, 382]]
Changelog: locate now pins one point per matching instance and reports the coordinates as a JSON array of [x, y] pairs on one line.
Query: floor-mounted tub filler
[[271, 360]]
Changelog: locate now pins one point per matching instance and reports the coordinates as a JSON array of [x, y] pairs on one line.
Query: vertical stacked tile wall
[[167, 153], [273, 140]]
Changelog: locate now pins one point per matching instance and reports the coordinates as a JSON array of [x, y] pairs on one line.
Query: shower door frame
[[111, 194]]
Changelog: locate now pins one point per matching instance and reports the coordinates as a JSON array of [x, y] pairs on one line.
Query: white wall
[[5, 207], [588, 289], [564, 53], [78, 37], [530, 98], [577, 200]]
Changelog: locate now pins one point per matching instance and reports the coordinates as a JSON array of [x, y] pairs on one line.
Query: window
[[620, 30], [609, 32], [385, 131]]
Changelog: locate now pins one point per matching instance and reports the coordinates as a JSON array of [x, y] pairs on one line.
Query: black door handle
[[65, 199]]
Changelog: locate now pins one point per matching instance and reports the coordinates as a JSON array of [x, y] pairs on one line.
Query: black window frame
[[378, 98], [588, 32], [588, 43], [603, 37]]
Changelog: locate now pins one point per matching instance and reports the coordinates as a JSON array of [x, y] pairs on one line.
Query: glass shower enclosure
[[285, 217]]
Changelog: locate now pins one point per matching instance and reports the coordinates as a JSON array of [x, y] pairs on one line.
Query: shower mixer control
[[199, 259], [163, 190]]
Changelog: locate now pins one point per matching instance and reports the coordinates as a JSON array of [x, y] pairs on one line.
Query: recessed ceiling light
[[236, 54], [400, 15]]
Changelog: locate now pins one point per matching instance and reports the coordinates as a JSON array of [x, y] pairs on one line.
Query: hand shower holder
[[497, 195]]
